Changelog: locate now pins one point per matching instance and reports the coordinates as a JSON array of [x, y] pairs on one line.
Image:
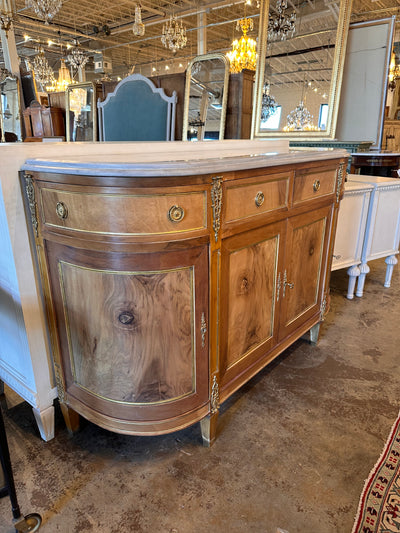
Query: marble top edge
[[178, 166]]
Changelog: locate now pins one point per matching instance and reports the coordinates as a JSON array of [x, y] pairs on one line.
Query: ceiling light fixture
[[244, 51], [45, 9], [173, 34], [300, 119], [43, 72], [138, 26], [268, 103], [77, 57], [280, 24], [394, 72]]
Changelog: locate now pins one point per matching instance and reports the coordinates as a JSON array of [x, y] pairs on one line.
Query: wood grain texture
[[306, 241], [123, 214], [304, 182], [240, 199], [132, 337]]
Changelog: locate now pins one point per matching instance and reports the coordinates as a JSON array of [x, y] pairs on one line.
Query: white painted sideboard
[[368, 228]]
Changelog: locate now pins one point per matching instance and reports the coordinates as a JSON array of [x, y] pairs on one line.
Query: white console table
[[368, 228]]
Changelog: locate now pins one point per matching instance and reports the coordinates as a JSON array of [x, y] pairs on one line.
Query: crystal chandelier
[[43, 72], [138, 26], [268, 104], [45, 9], [300, 119], [77, 57], [280, 24], [394, 72], [244, 51], [64, 79], [174, 35], [7, 14]]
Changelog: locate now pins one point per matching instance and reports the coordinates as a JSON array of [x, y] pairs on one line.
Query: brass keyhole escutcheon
[[316, 185], [259, 199], [176, 213], [61, 210]]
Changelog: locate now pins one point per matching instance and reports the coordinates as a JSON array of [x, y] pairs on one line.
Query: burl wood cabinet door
[[133, 338], [304, 268], [250, 265]]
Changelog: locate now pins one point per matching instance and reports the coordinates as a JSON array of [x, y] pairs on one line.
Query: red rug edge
[[372, 473]]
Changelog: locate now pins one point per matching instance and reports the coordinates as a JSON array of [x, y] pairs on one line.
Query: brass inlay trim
[[286, 283], [59, 383], [214, 400], [30, 193], [124, 272], [339, 180], [100, 195], [278, 287], [324, 307], [203, 330], [216, 204]]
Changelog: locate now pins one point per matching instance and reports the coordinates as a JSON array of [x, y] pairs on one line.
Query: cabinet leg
[[364, 269], [45, 422], [208, 427], [353, 272], [314, 333], [71, 418], [390, 261]]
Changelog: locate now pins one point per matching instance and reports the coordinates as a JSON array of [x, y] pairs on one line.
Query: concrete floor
[[293, 450]]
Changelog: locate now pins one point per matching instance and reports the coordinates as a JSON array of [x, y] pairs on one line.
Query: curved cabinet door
[[133, 343]]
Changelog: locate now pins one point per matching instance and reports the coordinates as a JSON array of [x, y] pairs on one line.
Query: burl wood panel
[[124, 214], [304, 185], [250, 297], [132, 340], [304, 266], [240, 200]]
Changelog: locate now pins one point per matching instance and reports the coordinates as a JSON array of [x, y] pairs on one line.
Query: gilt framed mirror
[[81, 119], [299, 73], [10, 106], [206, 93]]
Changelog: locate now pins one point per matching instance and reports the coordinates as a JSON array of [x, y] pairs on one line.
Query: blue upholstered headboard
[[137, 111]]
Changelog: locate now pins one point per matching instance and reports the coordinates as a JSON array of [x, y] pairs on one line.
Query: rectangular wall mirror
[[299, 74], [81, 119]]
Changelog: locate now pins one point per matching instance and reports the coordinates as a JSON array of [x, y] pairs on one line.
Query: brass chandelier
[[244, 51], [174, 35]]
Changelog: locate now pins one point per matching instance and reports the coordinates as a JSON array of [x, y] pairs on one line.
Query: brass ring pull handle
[[259, 199], [176, 213], [61, 210], [316, 185]]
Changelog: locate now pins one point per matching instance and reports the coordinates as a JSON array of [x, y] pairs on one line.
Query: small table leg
[[45, 422], [353, 272], [208, 427]]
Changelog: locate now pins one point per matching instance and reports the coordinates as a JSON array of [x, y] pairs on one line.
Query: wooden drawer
[[313, 185], [255, 198], [124, 214]]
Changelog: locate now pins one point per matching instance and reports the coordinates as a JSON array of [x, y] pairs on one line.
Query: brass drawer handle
[[176, 213], [259, 199], [61, 210], [316, 185]]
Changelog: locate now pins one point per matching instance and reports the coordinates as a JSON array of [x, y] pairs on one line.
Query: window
[[272, 123], [323, 116]]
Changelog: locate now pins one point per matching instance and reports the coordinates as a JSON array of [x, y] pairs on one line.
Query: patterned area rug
[[379, 508]]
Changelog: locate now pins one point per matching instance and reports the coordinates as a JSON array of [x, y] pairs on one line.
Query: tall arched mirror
[[206, 92], [300, 67]]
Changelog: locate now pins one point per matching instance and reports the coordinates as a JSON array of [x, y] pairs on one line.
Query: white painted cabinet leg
[[390, 261], [364, 269], [353, 273], [45, 421]]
